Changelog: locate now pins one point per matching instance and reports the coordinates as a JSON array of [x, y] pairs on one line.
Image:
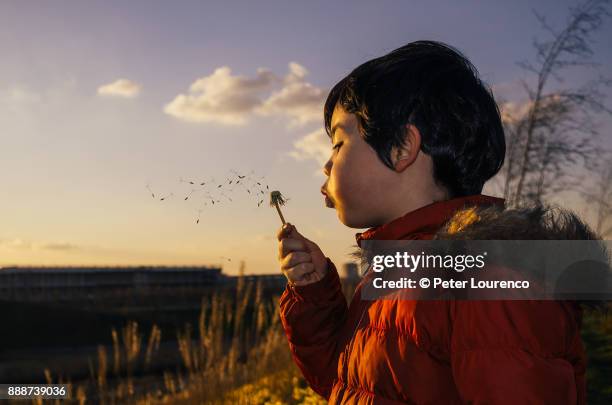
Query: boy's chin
[[354, 221]]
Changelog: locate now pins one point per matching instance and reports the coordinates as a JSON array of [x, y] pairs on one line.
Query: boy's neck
[[414, 202]]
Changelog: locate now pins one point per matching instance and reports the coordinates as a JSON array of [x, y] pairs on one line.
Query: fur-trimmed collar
[[536, 222]]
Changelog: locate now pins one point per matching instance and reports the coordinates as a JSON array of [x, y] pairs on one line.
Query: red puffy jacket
[[432, 352]]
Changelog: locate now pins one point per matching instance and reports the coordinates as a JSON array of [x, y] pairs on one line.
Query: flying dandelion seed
[[199, 214], [228, 184], [152, 193], [190, 194]]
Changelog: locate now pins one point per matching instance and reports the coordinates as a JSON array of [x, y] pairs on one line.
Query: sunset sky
[[100, 99]]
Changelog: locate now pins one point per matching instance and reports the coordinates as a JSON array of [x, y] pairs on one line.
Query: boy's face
[[359, 185]]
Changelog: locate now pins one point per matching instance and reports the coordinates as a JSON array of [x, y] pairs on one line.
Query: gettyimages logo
[[428, 261]]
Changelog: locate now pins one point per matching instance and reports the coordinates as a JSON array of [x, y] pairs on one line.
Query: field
[[232, 352]]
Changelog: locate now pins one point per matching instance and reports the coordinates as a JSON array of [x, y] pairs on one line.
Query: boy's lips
[[328, 202]]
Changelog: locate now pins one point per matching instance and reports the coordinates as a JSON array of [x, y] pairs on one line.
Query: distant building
[[120, 286], [87, 276], [349, 271]]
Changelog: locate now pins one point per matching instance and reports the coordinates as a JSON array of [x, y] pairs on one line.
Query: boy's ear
[[404, 155]]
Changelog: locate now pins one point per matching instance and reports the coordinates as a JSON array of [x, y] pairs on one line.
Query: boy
[[415, 136]]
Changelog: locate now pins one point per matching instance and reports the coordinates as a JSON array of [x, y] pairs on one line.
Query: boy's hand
[[301, 260]]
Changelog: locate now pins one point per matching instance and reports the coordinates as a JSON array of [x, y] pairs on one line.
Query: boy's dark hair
[[434, 87]]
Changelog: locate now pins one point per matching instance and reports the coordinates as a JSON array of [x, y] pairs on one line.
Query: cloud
[[19, 102], [23, 107], [221, 97], [313, 146], [513, 112], [21, 244], [16, 243], [21, 95], [297, 99], [63, 246], [227, 99], [508, 91], [120, 88]]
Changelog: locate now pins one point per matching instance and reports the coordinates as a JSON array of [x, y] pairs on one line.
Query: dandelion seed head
[[277, 198]]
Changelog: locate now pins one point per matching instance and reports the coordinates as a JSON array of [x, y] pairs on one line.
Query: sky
[[104, 104]]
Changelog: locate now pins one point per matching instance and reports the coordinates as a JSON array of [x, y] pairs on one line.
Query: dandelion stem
[[279, 212]]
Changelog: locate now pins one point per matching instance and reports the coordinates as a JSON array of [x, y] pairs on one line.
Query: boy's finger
[[297, 235], [306, 279], [284, 231], [295, 258], [287, 245], [296, 273]]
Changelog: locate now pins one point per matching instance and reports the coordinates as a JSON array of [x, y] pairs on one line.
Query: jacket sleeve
[[517, 352], [313, 317]]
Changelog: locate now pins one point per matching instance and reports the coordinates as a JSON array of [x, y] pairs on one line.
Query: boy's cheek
[[353, 185], [355, 203], [349, 186]]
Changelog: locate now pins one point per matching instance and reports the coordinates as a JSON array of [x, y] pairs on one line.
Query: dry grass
[[236, 354]]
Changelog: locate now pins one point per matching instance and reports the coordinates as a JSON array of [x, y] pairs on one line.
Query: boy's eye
[[337, 146]]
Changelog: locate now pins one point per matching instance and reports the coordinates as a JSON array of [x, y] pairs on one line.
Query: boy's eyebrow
[[333, 130]]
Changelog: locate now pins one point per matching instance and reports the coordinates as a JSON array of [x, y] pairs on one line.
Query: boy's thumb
[[297, 235], [294, 233]]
